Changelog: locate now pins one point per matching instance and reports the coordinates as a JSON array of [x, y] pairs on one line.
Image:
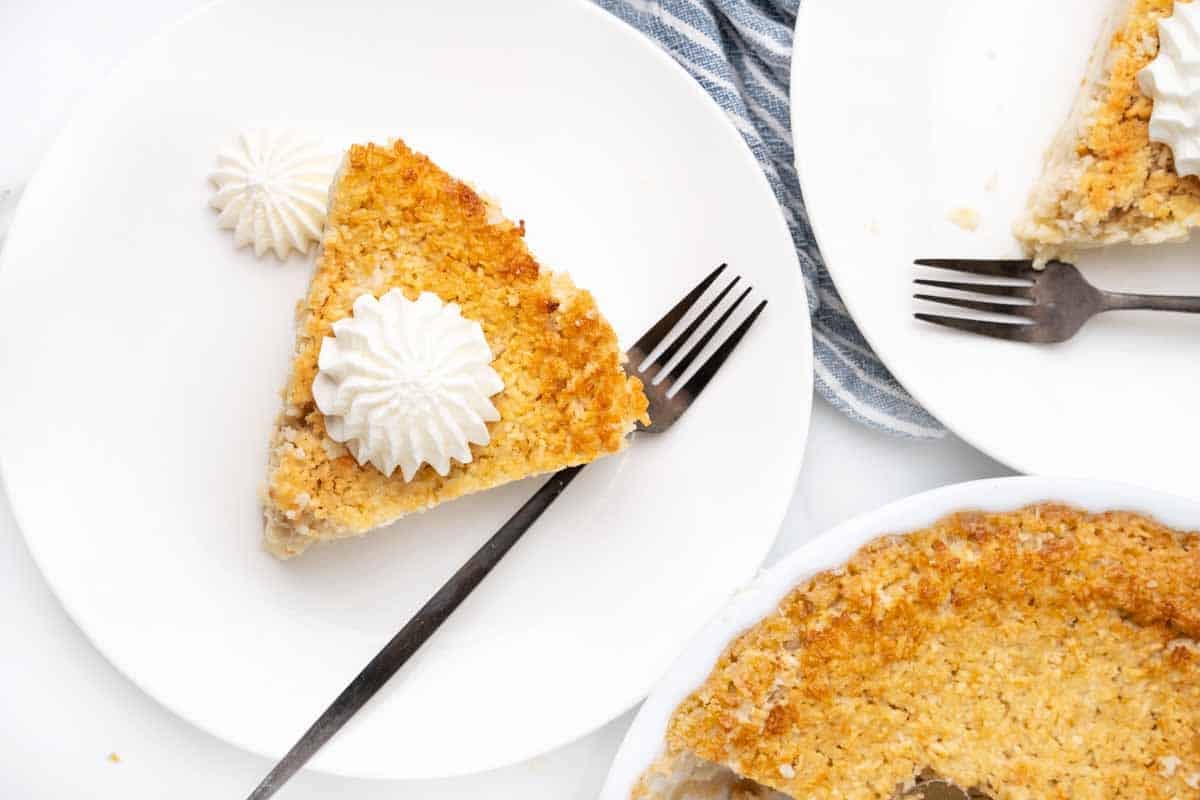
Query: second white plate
[[142, 359], [906, 111]]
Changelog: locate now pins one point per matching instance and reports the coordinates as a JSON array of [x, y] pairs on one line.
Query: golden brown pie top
[[397, 220], [1044, 653]]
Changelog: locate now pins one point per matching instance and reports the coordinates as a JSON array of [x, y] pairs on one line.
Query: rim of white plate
[[852, 307]]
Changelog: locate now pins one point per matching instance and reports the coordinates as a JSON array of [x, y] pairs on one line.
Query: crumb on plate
[[966, 218]]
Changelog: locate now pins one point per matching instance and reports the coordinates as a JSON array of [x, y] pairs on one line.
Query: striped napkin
[[740, 51]]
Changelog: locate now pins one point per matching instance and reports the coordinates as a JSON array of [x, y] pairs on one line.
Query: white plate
[[906, 111], [142, 359], [644, 742]]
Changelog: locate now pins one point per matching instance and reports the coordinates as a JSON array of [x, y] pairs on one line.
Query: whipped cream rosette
[[1172, 80], [404, 383], [272, 189]]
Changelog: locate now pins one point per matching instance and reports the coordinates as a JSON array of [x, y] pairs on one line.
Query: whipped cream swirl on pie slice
[[272, 189], [1172, 81], [404, 383]]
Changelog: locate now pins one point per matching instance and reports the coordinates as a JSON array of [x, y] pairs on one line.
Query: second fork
[[1043, 306]]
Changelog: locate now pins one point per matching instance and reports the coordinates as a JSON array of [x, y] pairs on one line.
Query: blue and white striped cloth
[[740, 51]]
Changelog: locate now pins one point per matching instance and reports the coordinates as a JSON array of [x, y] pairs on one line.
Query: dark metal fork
[[669, 398], [1040, 305]]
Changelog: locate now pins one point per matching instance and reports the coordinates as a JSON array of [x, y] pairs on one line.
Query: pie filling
[[693, 778], [1104, 181]]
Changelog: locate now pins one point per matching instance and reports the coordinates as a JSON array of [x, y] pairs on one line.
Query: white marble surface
[[63, 709]]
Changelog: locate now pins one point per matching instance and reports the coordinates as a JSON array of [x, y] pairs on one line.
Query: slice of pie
[[1104, 181], [1042, 653], [397, 221]]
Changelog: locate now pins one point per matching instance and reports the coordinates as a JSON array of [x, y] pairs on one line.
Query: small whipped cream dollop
[[406, 383], [272, 189], [1172, 81]]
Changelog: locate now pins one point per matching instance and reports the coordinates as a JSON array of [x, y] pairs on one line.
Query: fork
[[1046, 306], [669, 398]]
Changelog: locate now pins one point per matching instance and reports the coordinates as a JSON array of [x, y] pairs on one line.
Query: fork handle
[[414, 634], [1118, 301]]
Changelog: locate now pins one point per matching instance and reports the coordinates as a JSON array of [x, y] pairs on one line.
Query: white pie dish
[[644, 742]]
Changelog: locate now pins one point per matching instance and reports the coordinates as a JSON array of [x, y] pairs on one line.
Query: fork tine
[[709, 368], [655, 335], [1006, 268], [1016, 309], [681, 368], [997, 330], [979, 288], [682, 339]]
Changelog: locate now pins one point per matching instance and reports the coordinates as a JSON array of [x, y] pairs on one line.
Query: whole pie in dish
[[1043, 653], [1104, 181], [398, 221]]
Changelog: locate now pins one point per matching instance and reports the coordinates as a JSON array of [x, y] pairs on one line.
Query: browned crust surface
[[397, 220], [1043, 653]]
